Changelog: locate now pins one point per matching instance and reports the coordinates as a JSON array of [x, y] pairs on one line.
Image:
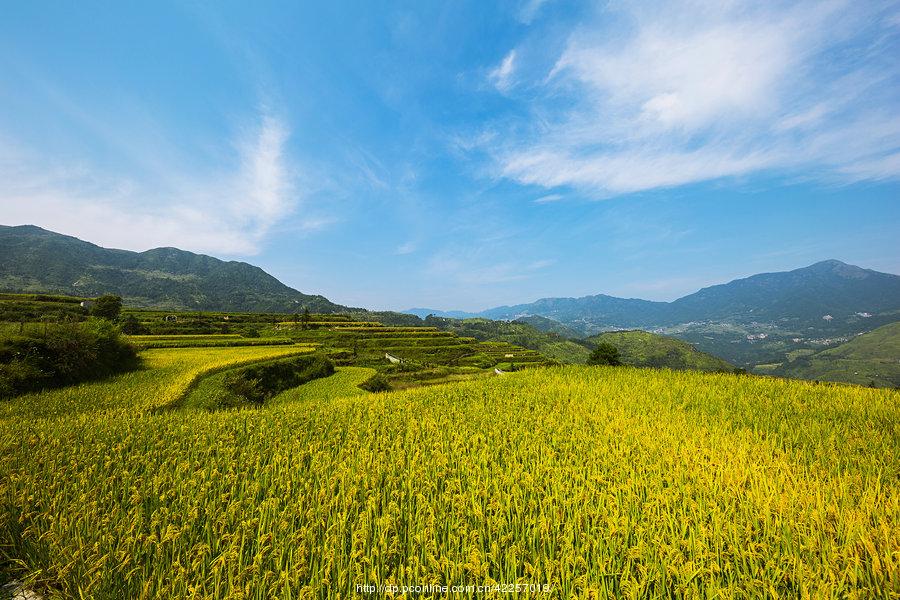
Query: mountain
[[588, 314], [37, 260], [447, 314], [760, 319], [871, 359], [644, 349], [549, 326], [801, 297]]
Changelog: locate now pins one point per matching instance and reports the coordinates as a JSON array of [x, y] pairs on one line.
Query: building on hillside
[[393, 359], [171, 318], [87, 304]]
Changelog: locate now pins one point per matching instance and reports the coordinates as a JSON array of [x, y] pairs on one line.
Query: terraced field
[[426, 354], [343, 384], [167, 375], [596, 482], [146, 342]]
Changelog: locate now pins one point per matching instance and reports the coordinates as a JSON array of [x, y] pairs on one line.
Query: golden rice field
[[598, 482]]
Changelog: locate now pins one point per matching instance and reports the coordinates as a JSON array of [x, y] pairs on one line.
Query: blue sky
[[461, 155]]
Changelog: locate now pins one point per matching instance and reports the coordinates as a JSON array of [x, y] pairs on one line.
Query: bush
[[62, 355], [107, 307], [605, 354], [376, 383], [131, 326], [255, 384]]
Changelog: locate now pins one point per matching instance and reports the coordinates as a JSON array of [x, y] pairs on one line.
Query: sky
[[461, 155]]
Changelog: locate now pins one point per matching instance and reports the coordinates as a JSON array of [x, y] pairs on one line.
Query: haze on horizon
[[462, 156]]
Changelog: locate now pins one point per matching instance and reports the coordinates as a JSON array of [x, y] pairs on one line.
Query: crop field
[[167, 375], [599, 482], [343, 384], [203, 341]]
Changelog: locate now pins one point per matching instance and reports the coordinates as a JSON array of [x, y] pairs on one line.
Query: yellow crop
[[601, 482]]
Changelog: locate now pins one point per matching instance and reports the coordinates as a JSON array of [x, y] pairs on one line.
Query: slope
[[871, 359], [644, 349]]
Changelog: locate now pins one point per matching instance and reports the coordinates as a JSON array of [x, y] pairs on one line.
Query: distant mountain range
[[36, 260], [747, 321]]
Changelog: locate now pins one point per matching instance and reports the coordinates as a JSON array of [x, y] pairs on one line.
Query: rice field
[[595, 482], [343, 384], [146, 342], [167, 375]]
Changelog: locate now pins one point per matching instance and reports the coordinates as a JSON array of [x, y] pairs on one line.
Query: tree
[[107, 307], [305, 318], [605, 354], [131, 326]]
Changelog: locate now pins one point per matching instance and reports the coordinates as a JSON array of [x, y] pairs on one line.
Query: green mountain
[[549, 326], [37, 260], [644, 349], [760, 319], [871, 359]]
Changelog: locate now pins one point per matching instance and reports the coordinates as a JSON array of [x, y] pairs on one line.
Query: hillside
[[551, 345], [871, 359], [644, 349], [549, 326], [37, 260]]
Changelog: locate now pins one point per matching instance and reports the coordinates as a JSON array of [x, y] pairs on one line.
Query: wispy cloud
[[530, 9], [406, 248], [660, 95], [548, 199], [502, 74], [222, 210]]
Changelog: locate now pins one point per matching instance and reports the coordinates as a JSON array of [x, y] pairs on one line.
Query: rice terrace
[[531, 299]]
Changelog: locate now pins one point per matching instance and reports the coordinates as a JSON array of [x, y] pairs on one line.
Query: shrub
[[131, 326], [605, 354], [62, 355], [107, 307], [376, 383], [254, 384]]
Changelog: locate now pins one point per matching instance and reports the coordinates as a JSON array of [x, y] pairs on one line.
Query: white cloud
[[502, 74], [406, 248], [530, 10], [225, 211], [660, 95], [548, 199]]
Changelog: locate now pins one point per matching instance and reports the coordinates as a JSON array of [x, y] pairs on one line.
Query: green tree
[[305, 318], [107, 307], [605, 354], [131, 326]]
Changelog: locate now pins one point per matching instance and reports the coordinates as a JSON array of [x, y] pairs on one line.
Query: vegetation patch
[[48, 356], [253, 385]]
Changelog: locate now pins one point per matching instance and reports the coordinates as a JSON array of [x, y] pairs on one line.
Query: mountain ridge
[[38, 260]]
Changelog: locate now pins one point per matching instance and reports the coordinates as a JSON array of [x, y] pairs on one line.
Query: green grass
[[597, 481]]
